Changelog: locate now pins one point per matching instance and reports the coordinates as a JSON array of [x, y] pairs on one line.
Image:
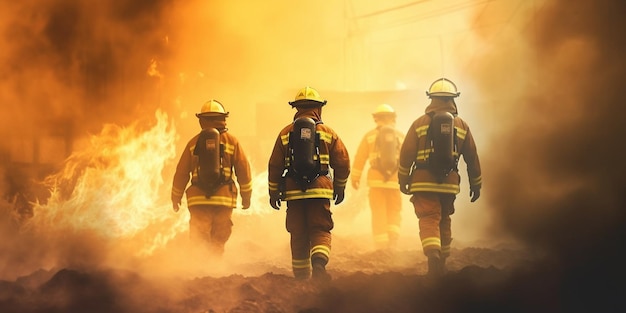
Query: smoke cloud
[[555, 180], [540, 91]]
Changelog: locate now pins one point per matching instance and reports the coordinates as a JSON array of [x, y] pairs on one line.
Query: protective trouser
[[386, 205], [433, 211], [211, 226], [309, 221]]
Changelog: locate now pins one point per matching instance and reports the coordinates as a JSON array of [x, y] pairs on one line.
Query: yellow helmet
[[212, 108], [442, 87], [307, 96], [384, 109]]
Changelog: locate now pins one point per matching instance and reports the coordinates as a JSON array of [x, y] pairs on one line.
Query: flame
[[115, 189], [153, 71]]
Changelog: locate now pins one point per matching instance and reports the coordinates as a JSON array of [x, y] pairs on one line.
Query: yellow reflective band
[[403, 170], [381, 238], [246, 187], [445, 250], [227, 171], [434, 187], [341, 181], [476, 181], [313, 193], [421, 131], [431, 242], [272, 184], [192, 147], [229, 149], [327, 137], [214, 200], [390, 184], [177, 192], [325, 250], [422, 155], [285, 139], [460, 132], [394, 229], [371, 138], [324, 159], [301, 263]]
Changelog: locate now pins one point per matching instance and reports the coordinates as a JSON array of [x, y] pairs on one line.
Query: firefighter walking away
[[211, 159], [380, 147], [299, 172], [428, 170]]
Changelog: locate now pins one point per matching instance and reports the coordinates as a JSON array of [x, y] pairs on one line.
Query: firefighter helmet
[[212, 108], [384, 110], [307, 97], [442, 87]]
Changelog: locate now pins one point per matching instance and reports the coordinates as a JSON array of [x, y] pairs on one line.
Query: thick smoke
[[556, 178], [80, 61]]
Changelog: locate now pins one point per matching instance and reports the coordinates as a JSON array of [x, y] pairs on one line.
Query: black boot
[[319, 269], [435, 266]]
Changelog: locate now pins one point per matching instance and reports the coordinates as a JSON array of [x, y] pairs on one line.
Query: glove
[[176, 203], [474, 194], [338, 195], [275, 199], [404, 184], [245, 203]]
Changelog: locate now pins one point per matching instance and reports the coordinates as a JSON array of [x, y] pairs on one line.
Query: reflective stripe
[[229, 149], [461, 133], [431, 242], [381, 238], [319, 193], [434, 187], [390, 184], [325, 250], [394, 229], [272, 186], [445, 250], [422, 155], [340, 182], [324, 158], [246, 187], [177, 192], [301, 263], [324, 136], [214, 200], [227, 172], [422, 131], [285, 139], [476, 181], [403, 170]]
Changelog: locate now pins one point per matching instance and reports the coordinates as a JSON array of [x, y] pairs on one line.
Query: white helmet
[[442, 87], [212, 108]]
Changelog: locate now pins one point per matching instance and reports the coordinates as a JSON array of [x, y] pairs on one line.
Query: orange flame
[[115, 189]]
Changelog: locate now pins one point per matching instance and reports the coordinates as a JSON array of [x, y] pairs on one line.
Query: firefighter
[[433, 191], [210, 223], [380, 147], [309, 218]]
